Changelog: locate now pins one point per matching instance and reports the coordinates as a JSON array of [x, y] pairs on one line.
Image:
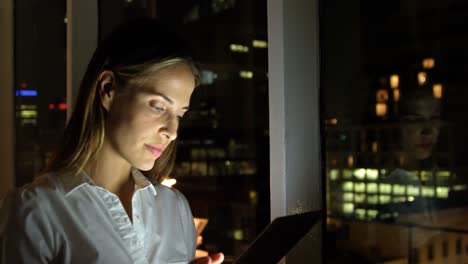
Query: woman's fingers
[[217, 258]]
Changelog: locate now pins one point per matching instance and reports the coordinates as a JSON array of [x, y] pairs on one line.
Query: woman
[[99, 200]]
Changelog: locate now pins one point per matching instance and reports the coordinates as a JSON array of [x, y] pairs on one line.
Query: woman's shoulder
[[169, 193], [40, 193]]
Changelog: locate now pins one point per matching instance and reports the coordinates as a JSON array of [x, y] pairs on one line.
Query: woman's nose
[[169, 129]]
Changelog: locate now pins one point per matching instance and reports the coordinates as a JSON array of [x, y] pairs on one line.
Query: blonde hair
[[133, 52]]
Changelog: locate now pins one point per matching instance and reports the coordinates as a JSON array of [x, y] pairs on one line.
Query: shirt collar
[[72, 182]]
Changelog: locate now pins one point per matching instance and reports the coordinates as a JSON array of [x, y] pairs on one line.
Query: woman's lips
[[156, 150]]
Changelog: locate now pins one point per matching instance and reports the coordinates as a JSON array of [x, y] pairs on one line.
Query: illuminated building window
[[372, 187], [208, 77], [437, 90], [412, 190], [373, 199], [360, 213], [348, 208], [331, 121], [399, 199], [399, 189], [382, 95], [372, 174], [246, 74], [422, 78], [385, 188], [30, 121], [221, 5], [384, 199], [443, 174], [360, 173], [359, 187], [348, 196], [347, 186], [427, 191], [334, 174], [28, 113], [350, 161], [259, 44], [396, 95], [459, 187], [238, 234], [253, 196], [428, 63], [372, 213], [28, 107], [359, 197], [347, 174], [238, 48], [375, 146], [394, 81], [442, 192], [380, 109]]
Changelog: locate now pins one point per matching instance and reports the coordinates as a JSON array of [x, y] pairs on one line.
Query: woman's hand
[[213, 259]]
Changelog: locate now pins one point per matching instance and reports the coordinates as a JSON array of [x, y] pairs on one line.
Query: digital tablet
[[278, 238]]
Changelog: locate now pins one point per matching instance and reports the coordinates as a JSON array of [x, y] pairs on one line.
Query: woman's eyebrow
[[169, 100]]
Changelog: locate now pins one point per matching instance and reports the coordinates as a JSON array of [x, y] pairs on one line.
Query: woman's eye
[[157, 107]]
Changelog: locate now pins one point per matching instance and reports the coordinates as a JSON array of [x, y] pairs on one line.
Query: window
[[395, 144], [40, 92]]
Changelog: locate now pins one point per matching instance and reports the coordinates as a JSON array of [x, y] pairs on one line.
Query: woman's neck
[[110, 171]]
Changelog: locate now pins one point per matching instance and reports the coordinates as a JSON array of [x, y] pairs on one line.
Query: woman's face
[[142, 122], [420, 127]]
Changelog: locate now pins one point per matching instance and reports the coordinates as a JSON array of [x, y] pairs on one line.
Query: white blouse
[[69, 219]]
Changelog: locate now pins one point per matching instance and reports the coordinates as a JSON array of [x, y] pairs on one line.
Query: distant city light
[[28, 113], [51, 106], [28, 107], [62, 106], [246, 74], [372, 174], [259, 43], [331, 121], [372, 187], [422, 78], [238, 234], [396, 95], [412, 190], [437, 90], [24, 85], [442, 192], [394, 81], [381, 95], [348, 208], [26, 93], [350, 161], [348, 196], [169, 182], [239, 48], [360, 173], [380, 109], [375, 146], [348, 186], [428, 63]]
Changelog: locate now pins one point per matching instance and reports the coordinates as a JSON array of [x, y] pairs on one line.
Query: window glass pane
[[223, 152], [394, 101], [40, 92]]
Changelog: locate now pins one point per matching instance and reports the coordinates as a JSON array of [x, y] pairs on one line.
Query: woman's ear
[[106, 86]]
